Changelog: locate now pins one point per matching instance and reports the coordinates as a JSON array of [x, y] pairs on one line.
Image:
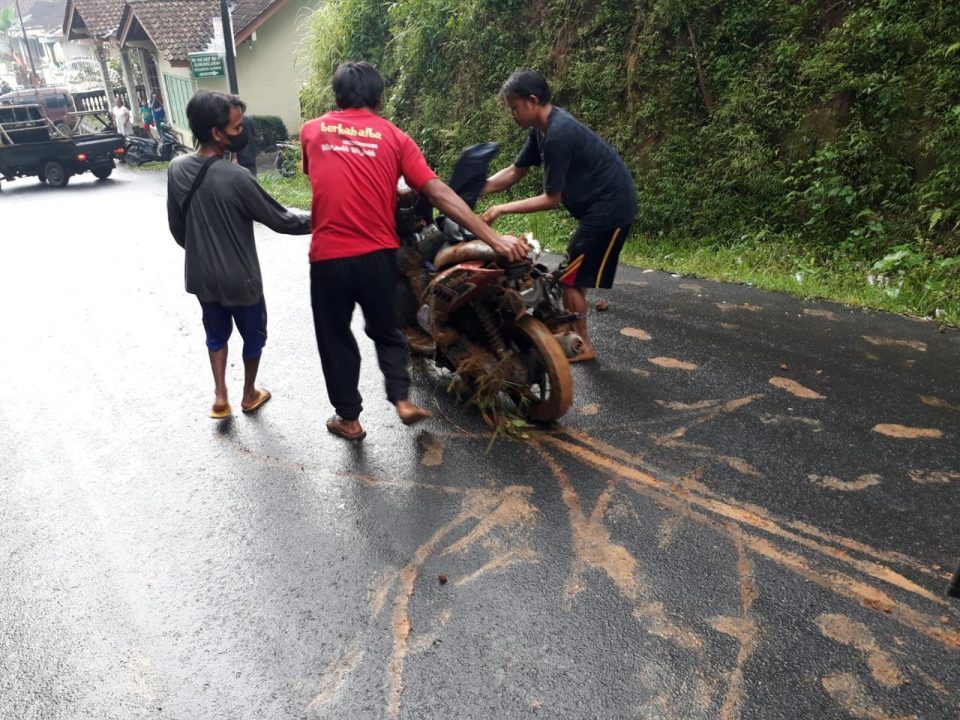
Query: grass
[[916, 285]]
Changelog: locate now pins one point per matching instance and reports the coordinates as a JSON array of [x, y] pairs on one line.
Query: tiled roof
[[101, 17], [177, 27], [247, 12], [180, 27]]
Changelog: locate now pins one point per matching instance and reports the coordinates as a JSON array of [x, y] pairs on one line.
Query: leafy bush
[[831, 126], [270, 131]]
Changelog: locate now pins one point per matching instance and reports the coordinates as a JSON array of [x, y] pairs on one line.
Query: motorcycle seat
[[453, 253]]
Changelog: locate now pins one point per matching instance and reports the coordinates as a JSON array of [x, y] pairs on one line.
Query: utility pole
[[26, 41], [228, 48]]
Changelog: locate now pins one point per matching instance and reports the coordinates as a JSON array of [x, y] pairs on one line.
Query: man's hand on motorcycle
[[512, 248]]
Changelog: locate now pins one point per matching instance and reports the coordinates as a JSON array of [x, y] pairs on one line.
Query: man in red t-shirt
[[354, 159]]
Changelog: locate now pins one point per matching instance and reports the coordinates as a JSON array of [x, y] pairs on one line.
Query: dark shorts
[[251, 321], [592, 257]]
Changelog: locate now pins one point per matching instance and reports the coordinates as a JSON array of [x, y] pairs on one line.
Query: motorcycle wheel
[[551, 395], [133, 157]]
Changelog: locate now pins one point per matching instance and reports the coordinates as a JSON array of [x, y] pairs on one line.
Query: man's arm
[[505, 179], [450, 204], [544, 201], [175, 219], [262, 207]]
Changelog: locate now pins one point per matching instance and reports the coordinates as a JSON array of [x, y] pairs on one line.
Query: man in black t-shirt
[[581, 171]]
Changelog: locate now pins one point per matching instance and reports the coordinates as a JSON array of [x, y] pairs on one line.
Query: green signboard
[[206, 65]]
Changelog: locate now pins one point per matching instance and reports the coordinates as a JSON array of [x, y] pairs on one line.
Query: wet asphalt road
[[751, 512]]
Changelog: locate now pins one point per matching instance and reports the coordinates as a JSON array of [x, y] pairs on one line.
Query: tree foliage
[[831, 123]]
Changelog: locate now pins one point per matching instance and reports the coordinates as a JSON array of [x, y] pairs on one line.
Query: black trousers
[[336, 286]]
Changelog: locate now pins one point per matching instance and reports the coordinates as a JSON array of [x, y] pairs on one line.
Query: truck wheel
[[55, 174], [102, 173], [42, 178]]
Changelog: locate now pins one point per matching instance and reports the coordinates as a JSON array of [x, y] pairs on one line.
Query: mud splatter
[[381, 590], [593, 548], [934, 477], [795, 388], [640, 372], [591, 409], [907, 433], [676, 405], [829, 481], [501, 561], [817, 312], [636, 283], [745, 307], [872, 358], [635, 333], [772, 419], [336, 674], [428, 639], [673, 363], [433, 450], [691, 286], [892, 342], [847, 631], [668, 529], [847, 691], [729, 326], [938, 403]]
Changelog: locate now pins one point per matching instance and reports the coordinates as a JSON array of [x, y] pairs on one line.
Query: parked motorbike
[[500, 327], [139, 150]]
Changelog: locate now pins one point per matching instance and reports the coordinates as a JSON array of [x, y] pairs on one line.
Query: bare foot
[[602, 305]]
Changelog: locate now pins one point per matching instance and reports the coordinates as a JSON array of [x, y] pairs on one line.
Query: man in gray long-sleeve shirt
[[211, 207]]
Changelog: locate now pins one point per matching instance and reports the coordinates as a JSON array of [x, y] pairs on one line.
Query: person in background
[[581, 171], [211, 207], [146, 116], [121, 118], [5, 87], [354, 159], [247, 158], [159, 112]]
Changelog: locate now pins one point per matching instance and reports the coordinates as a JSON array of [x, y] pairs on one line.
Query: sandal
[[335, 428]]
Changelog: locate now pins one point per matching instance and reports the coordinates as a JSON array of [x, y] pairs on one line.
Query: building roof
[[179, 27], [175, 27], [97, 19]]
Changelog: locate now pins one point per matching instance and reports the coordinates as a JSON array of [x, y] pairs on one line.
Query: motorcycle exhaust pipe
[[571, 343]]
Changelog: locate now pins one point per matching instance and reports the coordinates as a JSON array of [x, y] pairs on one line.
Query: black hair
[[357, 85], [208, 110], [524, 83]]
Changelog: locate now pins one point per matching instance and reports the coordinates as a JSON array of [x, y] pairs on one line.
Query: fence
[[97, 99]]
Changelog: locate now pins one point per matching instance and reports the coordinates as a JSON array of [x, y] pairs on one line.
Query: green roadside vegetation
[[766, 265], [799, 145]]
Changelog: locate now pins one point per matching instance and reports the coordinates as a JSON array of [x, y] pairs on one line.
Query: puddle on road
[[907, 433], [893, 342], [833, 483], [795, 388], [636, 333]]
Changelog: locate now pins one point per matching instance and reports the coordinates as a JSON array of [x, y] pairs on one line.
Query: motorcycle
[[140, 150], [501, 328]]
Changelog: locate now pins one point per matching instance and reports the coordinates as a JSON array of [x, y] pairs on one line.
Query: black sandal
[[334, 427]]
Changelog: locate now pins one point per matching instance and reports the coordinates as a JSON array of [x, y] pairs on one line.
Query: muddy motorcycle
[[500, 327]]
